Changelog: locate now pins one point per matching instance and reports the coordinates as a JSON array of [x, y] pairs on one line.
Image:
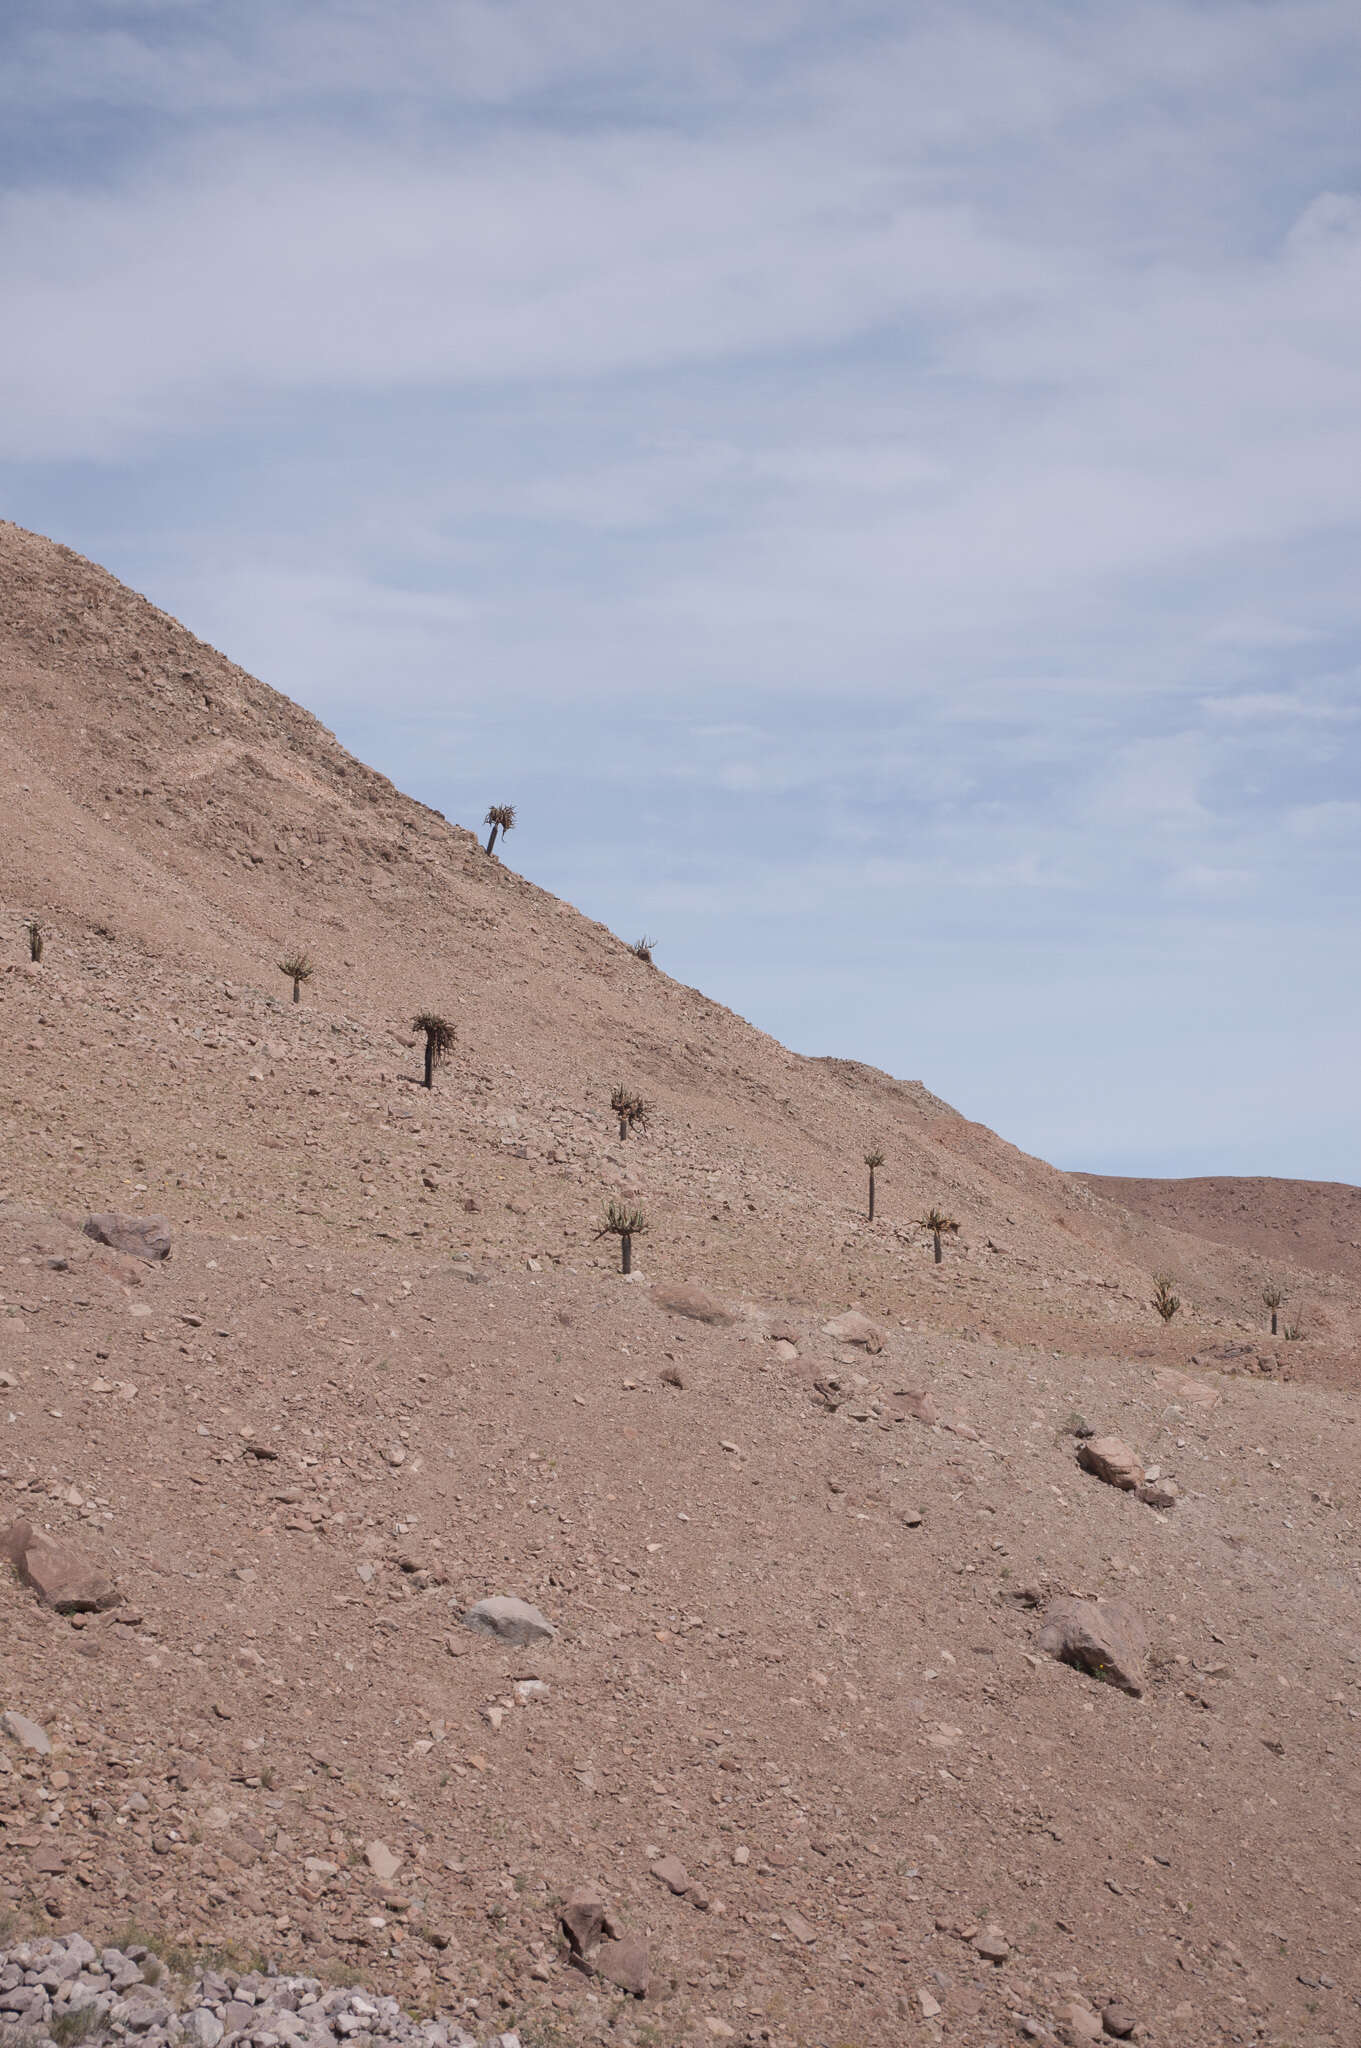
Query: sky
[[877, 487]]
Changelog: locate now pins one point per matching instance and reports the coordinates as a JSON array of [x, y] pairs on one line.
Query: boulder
[[584, 1920], [1102, 1637], [60, 1575], [1113, 1461], [855, 1328], [624, 1964], [382, 1861], [138, 1237], [511, 1621], [26, 1733], [694, 1303], [670, 1871]]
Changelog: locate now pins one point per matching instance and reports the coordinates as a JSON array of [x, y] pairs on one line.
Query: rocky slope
[[798, 1582]]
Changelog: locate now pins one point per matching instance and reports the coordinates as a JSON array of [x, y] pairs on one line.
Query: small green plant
[[630, 1109], [298, 968], [625, 1224], [641, 949], [939, 1224], [1273, 1294], [439, 1041], [873, 1159], [33, 927], [77, 2023], [1165, 1300], [501, 818]]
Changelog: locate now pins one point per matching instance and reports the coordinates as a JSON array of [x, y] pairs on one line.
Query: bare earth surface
[[797, 1582], [1312, 1224]]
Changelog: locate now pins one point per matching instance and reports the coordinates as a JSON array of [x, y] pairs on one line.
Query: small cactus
[[630, 1109], [1273, 1294], [625, 1224], [939, 1224], [439, 1041], [641, 949], [35, 937], [501, 818], [1165, 1300], [298, 968]]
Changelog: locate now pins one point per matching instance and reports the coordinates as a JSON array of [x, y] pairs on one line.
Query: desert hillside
[[798, 1568], [1313, 1225]]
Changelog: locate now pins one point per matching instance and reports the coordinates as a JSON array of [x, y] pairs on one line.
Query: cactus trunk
[[871, 1194], [429, 1062], [626, 1250], [297, 988], [936, 1235], [1273, 1322], [491, 837]]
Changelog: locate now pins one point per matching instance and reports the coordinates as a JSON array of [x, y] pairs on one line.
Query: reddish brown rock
[[624, 1963], [61, 1576], [670, 1871], [1102, 1637], [139, 1237], [1113, 1461], [583, 1919]]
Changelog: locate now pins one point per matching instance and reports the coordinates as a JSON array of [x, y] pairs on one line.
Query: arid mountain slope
[[178, 818], [798, 1583], [1309, 1223]]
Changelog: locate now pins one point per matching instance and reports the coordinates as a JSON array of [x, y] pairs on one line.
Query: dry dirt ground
[[389, 1369]]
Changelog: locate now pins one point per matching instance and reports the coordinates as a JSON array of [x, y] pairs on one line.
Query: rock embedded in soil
[[624, 1963], [1104, 1638], [992, 1945], [137, 1237], [670, 1871], [1157, 1493], [510, 1620], [382, 1861], [584, 1920], [855, 1328], [1112, 1460], [1118, 2022], [62, 1576], [693, 1303], [26, 1733]]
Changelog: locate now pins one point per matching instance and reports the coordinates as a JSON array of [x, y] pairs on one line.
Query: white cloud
[[932, 441]]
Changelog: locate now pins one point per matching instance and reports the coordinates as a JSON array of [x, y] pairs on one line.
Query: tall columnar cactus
[[873, 1160], [1273, 1295], [33, 927]]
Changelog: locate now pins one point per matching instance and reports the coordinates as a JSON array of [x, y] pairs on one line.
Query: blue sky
[[878, 487]]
